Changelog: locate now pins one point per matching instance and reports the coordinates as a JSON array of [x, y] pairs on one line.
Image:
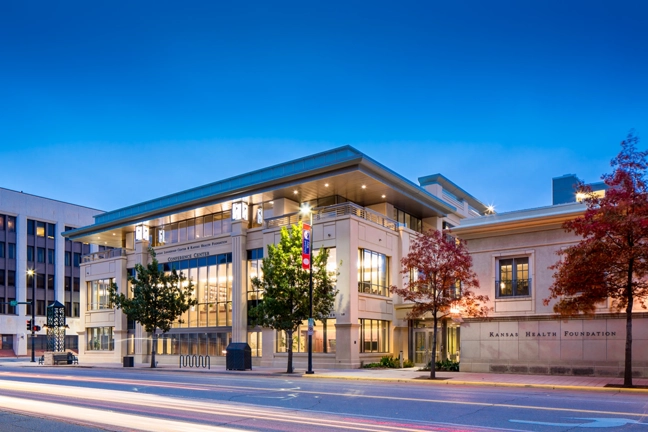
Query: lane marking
[[211, 387]]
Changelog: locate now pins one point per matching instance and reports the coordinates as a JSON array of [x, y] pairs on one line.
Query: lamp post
[[32, 273], [304, 210]]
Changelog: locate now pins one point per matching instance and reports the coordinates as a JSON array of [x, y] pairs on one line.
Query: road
[[156, 400]]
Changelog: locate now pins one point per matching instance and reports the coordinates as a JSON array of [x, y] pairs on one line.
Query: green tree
[[611, 260], [285, 286], [158, 299], [439, 278]]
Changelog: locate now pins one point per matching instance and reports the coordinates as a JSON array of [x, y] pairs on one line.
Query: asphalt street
[[168, 400]]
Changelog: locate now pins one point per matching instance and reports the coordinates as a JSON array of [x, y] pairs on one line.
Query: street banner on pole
[[306, 247]]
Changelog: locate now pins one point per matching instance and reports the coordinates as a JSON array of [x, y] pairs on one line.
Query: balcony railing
[[331, 212], [96, 256], [513, 288]]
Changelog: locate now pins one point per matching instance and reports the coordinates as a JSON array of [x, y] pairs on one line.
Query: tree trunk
[[154, 338], [433, 351], [289, 342], [627, 374]]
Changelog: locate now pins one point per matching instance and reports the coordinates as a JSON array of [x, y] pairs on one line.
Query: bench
[[60, 358], [41, 360]]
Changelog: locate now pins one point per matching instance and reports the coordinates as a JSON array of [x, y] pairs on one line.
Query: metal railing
[[337, 210], [111, 253]]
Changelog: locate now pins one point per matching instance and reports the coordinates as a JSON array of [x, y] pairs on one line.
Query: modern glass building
[[217, 234], [35, 258]]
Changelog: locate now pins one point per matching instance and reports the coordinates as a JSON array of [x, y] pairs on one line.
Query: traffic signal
[[29, 325], [37, 328]]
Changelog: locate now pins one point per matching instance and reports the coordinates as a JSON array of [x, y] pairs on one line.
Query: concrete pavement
[[392, 375]]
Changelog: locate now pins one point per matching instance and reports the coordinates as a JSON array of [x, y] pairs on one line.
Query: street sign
[[13, 303], [306, 247], [311, 325]]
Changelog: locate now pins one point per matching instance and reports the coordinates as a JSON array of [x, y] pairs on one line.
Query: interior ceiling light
[[295, 192], [364, 187], [384, 196], [325, 184]]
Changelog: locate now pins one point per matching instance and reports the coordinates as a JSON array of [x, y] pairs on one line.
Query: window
[[51, 231], [11, 224], [255, 340], [513, 278], [40, 281], [98, 294], [68, 259], [50, 256], [30, 227], [77, 259], [2, 222], [75, 309], [50, 282], [324, 338], [40, 307], [373, 273], [11, 250], [374, 336], [68, 284], [2, 250], [2, 277], [76, 284], [40, 255], [254, 261], [100, 339], [410, 221], [40, 229], [11, 278], [30, 253]]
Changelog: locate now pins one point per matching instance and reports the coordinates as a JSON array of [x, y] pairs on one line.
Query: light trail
[[206, 411], [221, 387]]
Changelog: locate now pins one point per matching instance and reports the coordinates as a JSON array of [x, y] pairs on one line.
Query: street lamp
[[306, 209], [32, 273]]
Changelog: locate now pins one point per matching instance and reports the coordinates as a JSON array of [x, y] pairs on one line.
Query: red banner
[[306, 247]]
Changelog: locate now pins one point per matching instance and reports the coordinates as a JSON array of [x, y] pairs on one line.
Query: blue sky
[[107, 104]]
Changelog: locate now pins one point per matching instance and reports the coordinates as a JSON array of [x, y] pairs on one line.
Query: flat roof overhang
[[345, 170]]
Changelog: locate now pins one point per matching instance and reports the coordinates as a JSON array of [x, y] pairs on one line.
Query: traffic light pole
[[33, 320]]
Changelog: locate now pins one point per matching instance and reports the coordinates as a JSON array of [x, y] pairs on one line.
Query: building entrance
[[447, 346], [6, 345]]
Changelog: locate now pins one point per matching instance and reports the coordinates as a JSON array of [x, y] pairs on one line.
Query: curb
[[485, 384]]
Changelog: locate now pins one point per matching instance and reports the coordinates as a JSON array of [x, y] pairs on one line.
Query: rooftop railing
[[331, 212], [96, 256]]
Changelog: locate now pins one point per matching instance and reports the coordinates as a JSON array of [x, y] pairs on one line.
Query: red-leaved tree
[[611, 261], [439, 277]]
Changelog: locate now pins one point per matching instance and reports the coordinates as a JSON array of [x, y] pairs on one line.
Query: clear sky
[[111, 103]]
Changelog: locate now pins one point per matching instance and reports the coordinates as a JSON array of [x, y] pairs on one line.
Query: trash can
[[238, 357], [129, 361]]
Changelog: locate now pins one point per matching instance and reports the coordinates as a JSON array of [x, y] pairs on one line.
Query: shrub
[[389, 362]]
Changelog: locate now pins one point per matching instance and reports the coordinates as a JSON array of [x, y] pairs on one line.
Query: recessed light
[[364, 187], [295, 192], [105, 242], [271, 202], [113, 233], [384, 196], [325, 184]]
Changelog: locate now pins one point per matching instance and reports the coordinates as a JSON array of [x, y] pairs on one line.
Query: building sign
[[203, 249], [306, 247], [563, 334]]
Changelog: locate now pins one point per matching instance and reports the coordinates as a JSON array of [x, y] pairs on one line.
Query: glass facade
[[324, 338], [100, 339], [374, 336], [192, 229], [97, 294], [211, 344], [212, 280]]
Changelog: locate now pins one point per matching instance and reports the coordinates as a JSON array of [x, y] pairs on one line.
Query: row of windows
[[410, 221], [9, 279], [9, 251], [39, 229], [324, 338], [98, 297], [192, 229], [7, 223]]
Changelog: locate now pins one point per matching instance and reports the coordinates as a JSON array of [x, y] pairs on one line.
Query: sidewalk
[[412, 375]]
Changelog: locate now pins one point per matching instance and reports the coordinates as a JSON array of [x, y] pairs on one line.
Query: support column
[[239, 281], [20, 342]]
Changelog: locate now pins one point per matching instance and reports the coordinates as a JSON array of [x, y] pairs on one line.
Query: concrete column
[[239, 281], [20, 342]]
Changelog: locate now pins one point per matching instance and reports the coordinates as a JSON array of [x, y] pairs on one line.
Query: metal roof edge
[[285, 170], [453, 188]]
